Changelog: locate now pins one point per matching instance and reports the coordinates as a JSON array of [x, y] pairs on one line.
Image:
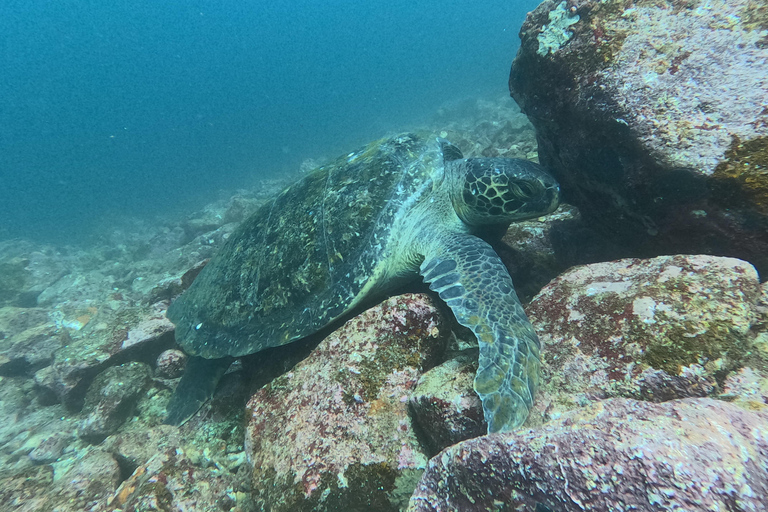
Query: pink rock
[[334, 433], [692, 454], [652, 329], [747, 385], [652, 115]]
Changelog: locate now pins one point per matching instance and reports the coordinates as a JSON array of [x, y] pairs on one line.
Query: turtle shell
[[307, 256]]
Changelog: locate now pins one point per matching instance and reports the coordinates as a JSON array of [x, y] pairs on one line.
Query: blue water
[[131, 108]]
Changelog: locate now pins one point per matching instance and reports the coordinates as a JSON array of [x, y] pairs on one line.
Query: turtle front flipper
[[195, 388], [469, 276]]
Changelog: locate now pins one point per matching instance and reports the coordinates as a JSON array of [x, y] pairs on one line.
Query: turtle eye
[[526, 189]]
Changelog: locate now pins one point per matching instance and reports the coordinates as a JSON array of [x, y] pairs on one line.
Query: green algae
[[755, 15], [720, 347], [360, 488], [746, 163]]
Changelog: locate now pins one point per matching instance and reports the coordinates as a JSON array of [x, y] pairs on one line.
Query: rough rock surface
[[141, 335], [174, 480], [657, 329], [111, 399], [28, 340], [334, 433], [83, 486], [617, 455], [653, 116], [445, 406]]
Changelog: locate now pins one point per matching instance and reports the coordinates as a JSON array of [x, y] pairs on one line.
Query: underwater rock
[[30, 350], [528, 250], [445, 406], [334, 433], [232, 210], [619, 454], [14, 320], [174, 480], [84, 484], [27, 340], [148, 331], [13, 279], [653, 117], [49, 448], [143, 337], [656, 329], [747, 387], [170, 364], [171, 287], [491, 128], [30, 433], [111, 399], [137, 445]]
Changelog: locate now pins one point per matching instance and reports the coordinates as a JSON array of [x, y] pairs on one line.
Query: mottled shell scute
[[304, 258]]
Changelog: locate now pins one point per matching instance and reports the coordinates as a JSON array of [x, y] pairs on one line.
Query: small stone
[[170, 364]]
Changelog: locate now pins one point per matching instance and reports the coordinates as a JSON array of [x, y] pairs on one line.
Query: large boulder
[[694, 454], [657, 329], [334, 433], [653, 116]]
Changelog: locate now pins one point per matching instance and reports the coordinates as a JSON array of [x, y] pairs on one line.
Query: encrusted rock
[[137, 445], [529, 254], [695, 455], [170, 287], [652, 115], [31, 349], [170, 363], [49, 448], [13, 279], [85, 484], [74, 366], [653, 329], [111, 399], [29, 432], [334, 433], [445, 405], [172, 480], [149, 330], [15, 320], [747, 386]]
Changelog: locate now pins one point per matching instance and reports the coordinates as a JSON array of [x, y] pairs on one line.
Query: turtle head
[[493, 191]]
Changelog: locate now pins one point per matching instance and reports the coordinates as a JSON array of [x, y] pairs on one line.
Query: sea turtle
[[352, 231]]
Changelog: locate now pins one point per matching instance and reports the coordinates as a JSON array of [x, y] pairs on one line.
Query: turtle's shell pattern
[[308, 256]]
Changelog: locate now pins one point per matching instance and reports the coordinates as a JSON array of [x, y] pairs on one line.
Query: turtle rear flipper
[[195, 388], [469, 276]]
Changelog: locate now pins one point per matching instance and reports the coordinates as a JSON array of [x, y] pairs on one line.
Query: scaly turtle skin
[[354, 230]]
